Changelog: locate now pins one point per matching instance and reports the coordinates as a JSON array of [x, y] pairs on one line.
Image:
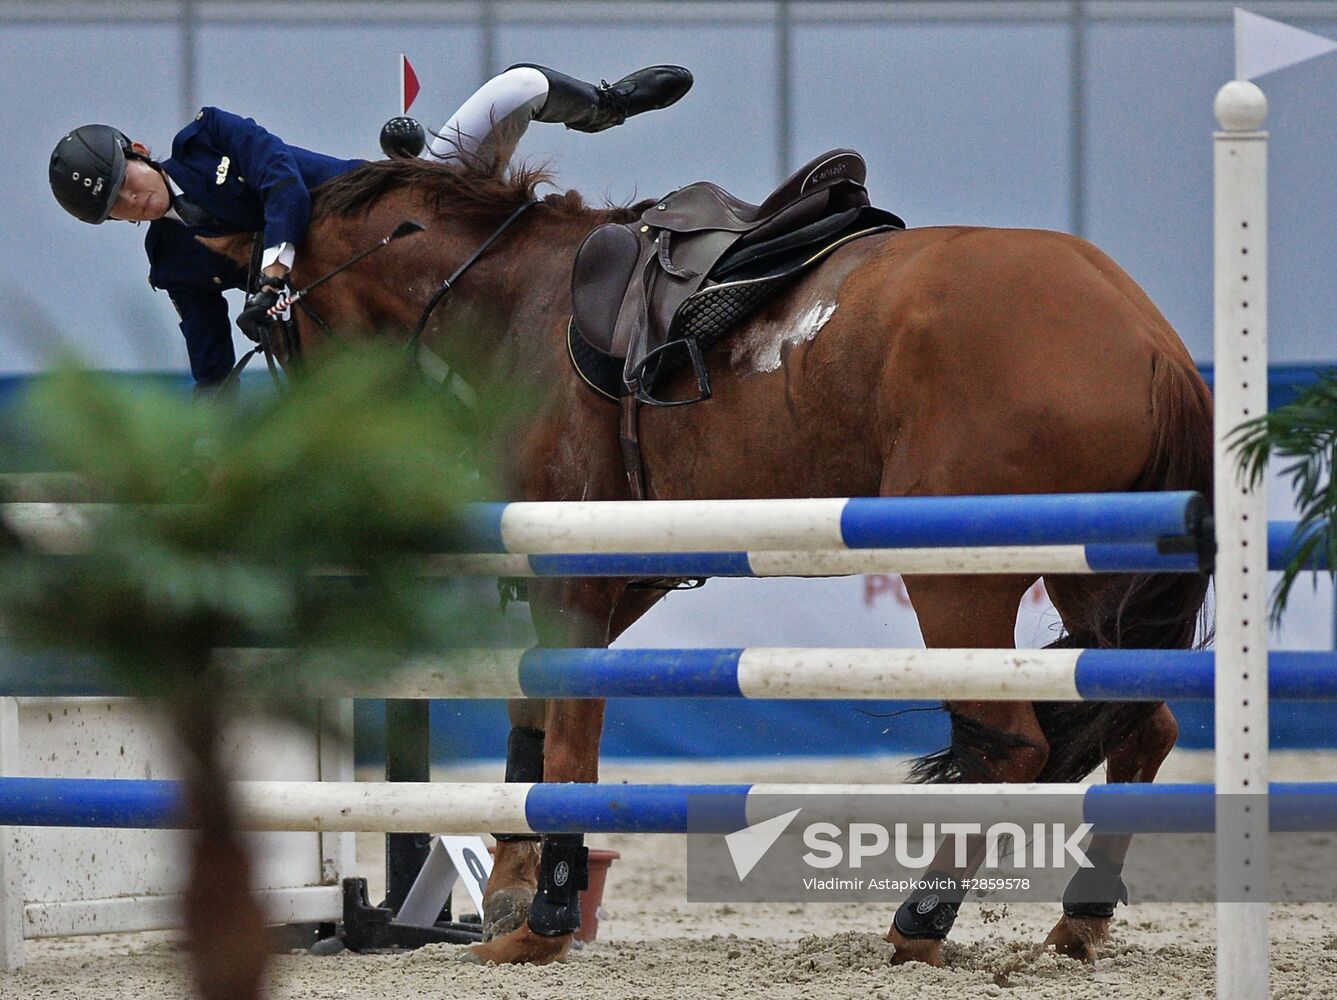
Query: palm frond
[[1303, 434]]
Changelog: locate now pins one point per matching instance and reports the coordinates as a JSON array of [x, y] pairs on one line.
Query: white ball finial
[[1240, 106]]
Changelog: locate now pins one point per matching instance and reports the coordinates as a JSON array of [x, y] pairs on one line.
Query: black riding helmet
[[403, 138], [87, 170]]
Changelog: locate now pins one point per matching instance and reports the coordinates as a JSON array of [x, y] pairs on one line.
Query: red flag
[[408, 84]]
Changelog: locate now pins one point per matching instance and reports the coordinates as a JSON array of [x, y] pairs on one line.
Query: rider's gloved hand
[[258, 315]]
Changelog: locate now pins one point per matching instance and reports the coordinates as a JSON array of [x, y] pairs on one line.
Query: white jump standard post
[[1242, 876]]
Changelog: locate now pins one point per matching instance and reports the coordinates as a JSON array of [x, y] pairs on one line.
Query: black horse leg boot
[[564, 871], [586, 108]]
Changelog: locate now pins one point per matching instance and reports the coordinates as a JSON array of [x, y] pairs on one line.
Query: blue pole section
[[91, 802], [1308, 807], [1066, 519], [1143, 557], [52, 674], [1293, 807], [1140, 557], [1151, 674], [643, 673], [1296, 675], [475, 528], [1189, 675], [577, 808], [1150, 808], [669, 564], [1284, 539]]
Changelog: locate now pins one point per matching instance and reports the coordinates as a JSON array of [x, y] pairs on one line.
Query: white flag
[[1263, 45]]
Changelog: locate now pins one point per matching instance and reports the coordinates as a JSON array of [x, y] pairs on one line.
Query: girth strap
[[629, 438]]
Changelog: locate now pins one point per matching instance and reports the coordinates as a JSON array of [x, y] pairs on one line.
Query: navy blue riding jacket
[[247, 179]]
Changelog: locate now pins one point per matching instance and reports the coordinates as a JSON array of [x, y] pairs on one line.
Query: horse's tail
[[1146, 610], [1142, 611]]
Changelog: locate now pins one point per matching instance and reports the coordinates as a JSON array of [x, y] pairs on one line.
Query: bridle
[[412, 347]]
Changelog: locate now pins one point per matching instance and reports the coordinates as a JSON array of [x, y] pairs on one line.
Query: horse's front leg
[[552, 872], [571, 753], [510, 887]]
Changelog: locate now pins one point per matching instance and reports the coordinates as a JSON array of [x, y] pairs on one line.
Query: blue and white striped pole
[[763, 525], [64, 528], [1038, 559], [751, 673], [828, 524], [465, 807]]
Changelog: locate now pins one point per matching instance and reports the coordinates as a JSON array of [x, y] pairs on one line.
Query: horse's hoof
[[505, 910], [1078, 937], [904, 949], [519, 947]]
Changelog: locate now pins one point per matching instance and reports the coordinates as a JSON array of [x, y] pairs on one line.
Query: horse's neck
[[517, 300]]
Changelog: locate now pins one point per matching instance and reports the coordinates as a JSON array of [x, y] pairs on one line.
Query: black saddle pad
[[741, 282]]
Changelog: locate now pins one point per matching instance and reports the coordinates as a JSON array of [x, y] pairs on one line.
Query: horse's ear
[[234, 246]]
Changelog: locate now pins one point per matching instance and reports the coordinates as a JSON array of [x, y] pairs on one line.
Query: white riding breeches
[[490, 123]]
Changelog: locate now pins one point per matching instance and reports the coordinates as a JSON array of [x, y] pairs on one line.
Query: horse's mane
[[460, 189], [464, 190]]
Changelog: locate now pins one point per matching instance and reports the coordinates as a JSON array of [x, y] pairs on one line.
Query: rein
[[265, 344], [412, 346], [266, 348]]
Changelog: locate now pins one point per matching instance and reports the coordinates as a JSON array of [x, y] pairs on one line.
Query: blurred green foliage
[[226, 521]]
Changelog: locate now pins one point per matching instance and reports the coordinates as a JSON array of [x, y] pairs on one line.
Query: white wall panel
[[330, 87], [962, 123], [65, 284], [723, 130]]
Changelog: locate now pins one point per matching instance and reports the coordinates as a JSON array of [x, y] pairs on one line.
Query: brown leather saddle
[[650, 296]]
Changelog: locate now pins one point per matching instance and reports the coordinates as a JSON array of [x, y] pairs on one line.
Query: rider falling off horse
[[227, 174]]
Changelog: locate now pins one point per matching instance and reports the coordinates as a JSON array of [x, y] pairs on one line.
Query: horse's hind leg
[[991, 741], [1093, 892]]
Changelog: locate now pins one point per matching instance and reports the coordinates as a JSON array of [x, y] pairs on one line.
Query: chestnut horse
[[937, 361]]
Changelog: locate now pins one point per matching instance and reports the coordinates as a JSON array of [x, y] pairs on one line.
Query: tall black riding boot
[[586, 108]]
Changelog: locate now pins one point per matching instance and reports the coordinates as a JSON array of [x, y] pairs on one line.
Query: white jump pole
[[1242, 875]]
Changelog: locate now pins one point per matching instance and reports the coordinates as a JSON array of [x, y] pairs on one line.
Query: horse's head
[[388, 291]]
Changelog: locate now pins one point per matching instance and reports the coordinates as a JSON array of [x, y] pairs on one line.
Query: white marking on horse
[[760, 347]]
